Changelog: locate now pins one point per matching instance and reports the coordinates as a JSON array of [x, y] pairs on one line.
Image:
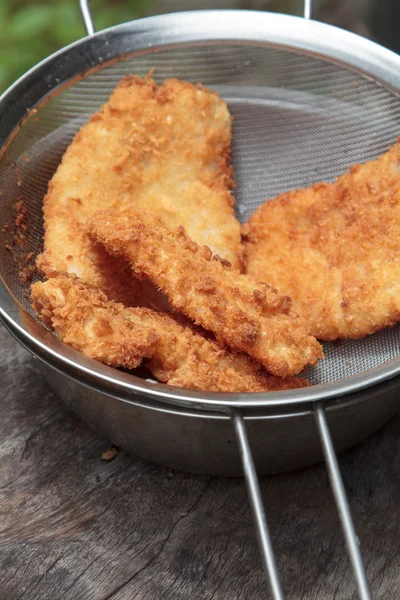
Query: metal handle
[[307, 9], [352, 541], [336, 481], [87, 16], [253, 486], [89, 25]]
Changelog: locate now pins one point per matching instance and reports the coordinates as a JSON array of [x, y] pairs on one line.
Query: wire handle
[[87, 16], [339, 493], [307, 9], [342, 504], [90, 29], [253, 487]]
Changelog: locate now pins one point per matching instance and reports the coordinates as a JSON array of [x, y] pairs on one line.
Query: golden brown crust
[[85, 319], [165, 148], [242, 313], [118, 336], [335, 249]]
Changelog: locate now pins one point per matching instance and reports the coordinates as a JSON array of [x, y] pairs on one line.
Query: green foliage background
[[30, 31]]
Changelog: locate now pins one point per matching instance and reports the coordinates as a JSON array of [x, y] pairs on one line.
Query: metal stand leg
[[253, 486], [307, 9], [342, 503], [87, 16]]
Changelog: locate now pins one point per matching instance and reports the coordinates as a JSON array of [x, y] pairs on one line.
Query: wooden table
[[74, 527]]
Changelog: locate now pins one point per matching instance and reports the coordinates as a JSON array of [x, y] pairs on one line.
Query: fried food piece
[[334, 248], [242, 313], [163, 148], [121, 337]]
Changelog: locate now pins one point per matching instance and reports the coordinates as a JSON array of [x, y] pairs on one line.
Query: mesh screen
[[297, 120]]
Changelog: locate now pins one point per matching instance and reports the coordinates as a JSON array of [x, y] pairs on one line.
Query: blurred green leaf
[[67, 23], [3, 76], [30, 21], [30, 31], [3, 12]]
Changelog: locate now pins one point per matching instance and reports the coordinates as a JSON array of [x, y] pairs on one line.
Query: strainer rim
[[113, 382], [352, 51], [281, 31]]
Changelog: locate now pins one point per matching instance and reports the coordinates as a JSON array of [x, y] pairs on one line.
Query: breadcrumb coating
[[242, 313], [164, 148], [85, 319], [334, 248]]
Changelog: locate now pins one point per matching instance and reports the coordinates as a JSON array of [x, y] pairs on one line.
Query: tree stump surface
[[74, 527]]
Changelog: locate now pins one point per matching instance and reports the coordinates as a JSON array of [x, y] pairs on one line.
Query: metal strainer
[[308, 101]]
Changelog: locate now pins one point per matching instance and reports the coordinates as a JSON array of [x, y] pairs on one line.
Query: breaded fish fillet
[[242, 313], [334, 248], [163, 148], [118, 336]]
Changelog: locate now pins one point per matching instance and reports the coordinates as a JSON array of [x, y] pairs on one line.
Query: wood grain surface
[[76, 527]]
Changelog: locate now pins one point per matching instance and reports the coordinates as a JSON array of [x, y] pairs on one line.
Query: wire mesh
[[297, 119]]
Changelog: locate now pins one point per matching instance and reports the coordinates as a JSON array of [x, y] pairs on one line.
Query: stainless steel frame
[[63, 364]]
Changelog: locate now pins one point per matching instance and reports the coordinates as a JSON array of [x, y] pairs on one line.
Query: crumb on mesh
[[26, 273]]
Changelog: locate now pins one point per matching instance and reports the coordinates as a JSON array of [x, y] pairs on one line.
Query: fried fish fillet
[[242, 313], [121, 337], [334, 248], [163, 148]]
